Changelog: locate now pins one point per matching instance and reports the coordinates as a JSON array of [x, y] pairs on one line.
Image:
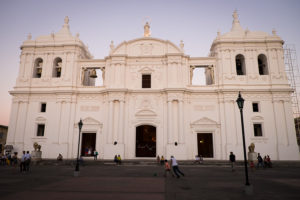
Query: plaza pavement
[[146, 182]]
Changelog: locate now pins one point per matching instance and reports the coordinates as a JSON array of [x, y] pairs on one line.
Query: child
[[167, 169]]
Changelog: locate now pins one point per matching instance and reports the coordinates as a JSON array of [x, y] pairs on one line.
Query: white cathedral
[[145, 103]]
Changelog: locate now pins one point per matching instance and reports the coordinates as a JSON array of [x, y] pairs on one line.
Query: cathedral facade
[[145, 103]]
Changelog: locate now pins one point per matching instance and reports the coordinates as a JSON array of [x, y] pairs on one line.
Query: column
[[64, 66], [280, 122], [181, 123], [287, 121], [64, 132], [275, 130], [170, 122], [71, 130], [28, 70], [58, 122], [121, 122], [20, 127], [223, 132], [110, 124], [115, 121], [13, 122], [230, 129], [175, 121]]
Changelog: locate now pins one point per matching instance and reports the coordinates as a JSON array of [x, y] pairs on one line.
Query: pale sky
[[196, 22]]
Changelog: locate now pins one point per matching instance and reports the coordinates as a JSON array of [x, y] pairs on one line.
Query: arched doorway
[[145, 141]]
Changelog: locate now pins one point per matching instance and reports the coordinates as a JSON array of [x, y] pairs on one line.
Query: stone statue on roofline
[[147, 32]]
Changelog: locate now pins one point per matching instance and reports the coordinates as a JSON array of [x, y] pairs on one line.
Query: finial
[[218, 33], [235, 16], [147, 32], [66, 20], [112, 46], [181, 44], [29, 36], [274, 31], [236, 27], [77, 35]]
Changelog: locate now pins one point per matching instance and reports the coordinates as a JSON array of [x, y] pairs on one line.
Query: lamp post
[[77, 161], [240, 103]]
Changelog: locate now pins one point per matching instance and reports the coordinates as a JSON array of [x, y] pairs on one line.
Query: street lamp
[[77, 162], [240, 103]]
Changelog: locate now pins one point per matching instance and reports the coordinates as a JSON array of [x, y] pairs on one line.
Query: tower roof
[[63, 37], [238, 34]]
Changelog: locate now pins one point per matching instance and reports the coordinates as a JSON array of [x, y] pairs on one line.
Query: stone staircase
[[152, 162]]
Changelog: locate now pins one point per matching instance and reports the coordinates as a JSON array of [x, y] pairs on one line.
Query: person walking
[[22, 164], [259, 161], [232, 160], [158, 159], [27, 161], [269, 163], [116, 159], [119, 159], [95, 154], [175, 167], [162, 160], [168, 169]]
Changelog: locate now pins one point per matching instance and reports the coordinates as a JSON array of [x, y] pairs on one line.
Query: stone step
[[154, 163]]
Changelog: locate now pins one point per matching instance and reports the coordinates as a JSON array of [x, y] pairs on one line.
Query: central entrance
[[205, 145], [88, 144], [145, 141]]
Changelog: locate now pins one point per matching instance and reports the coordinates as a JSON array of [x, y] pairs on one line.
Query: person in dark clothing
[[260, 161], [232, 160]]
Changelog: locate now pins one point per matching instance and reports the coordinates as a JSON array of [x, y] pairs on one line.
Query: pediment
[[146, 46], [90, 121], [257, 118], [40, 119], [204, 121], [146, 70], [145, 113]]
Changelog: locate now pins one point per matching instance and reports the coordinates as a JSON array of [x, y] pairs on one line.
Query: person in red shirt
[[168, 169]]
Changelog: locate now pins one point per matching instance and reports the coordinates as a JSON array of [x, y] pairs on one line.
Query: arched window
[[38, 68], [240, 65], [57, 67], [262, 65]]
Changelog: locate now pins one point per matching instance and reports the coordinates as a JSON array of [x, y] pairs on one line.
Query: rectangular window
[[146, 81], [257, 130], [1, 135], [255, 107], [40, 130], [43, 107]]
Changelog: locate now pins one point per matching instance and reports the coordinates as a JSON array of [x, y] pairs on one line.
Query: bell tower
[[51, 60], [248, 57], [49, 66]]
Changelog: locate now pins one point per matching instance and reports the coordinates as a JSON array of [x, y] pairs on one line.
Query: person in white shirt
[[175, 167], [22, 164]]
